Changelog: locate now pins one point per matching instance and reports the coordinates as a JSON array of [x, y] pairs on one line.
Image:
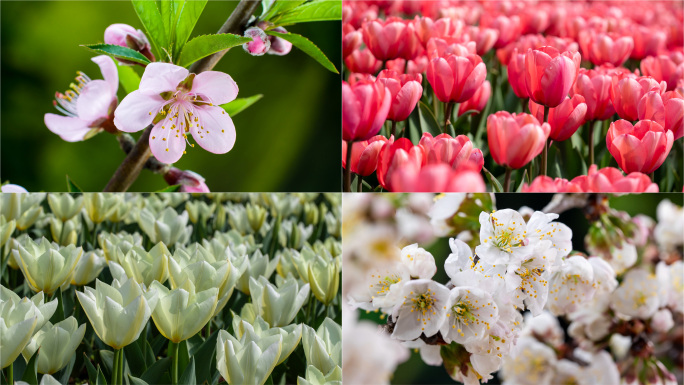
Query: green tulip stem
[[116, 372], [347, 168], [591, 142], [174, 363], [10, 373], [447, 116], [394, 127], [507, 180], [359, 184]]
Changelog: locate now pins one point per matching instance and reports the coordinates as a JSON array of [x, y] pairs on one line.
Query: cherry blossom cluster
[[512, 79]]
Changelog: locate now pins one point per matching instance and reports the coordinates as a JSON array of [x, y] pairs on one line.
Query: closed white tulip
[[249, 363], [277, 305], [144, 266], [46, 266], [57, 344], [258, 265], [65, 206], [24, 209], [324, 278], [314, 376], [88, 267], [323, 347], [110, 242], [99, 206], [168, 226], [6, 229], [253, 331]]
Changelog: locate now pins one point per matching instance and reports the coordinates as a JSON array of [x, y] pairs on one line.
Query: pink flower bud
[[456, 78], [126, 36], [188, 180], [260, 43], [406, 91], [279, 46], [662, 321], [362, 61], [549, 74], [602, 48], [365, 105], [515, 139]]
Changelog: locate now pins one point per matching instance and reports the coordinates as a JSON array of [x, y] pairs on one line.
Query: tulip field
[[513, 96], [170, 288]]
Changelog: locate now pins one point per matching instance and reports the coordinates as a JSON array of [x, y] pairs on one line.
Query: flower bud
[[323, 347], [256, 216], [260, 43], [247, 361], [55, 345], [279, 46], [88, 267], [311, 213], [46, 266], [65, 206], [199, 211], [662, 321], [65, 233], [189, 181], [6, 229], [324, 278], [277, 305], [142, 266], [126, 36], [24, 209], [183, 312]]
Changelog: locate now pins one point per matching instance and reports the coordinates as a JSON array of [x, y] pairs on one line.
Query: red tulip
[[642, 147], [441, 47], [627, 90], [550, 74], [416, 66], [436, 178], [602, 48], [479, 99], [364, 157], [426, 28], [456, 78], [663, 68], [484, 38], [515, 139], [611, 180], [594, 86], [391, 39], [674, 113], [394, 155], [564, 119], [516, 74], [544, 183], [456, 152], [405, 90], [648, 41], [365, 106], [351, 39], [362, 61]]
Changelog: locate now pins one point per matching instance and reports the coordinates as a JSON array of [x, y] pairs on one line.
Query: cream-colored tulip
[[252, 331], [199, 211], [258, 265], [65, 233], [57, 344], [324, 278], [100, 206], [294, 234], [46, 266], [89, 267], [6, 229], [24, 209], [314, 376], [323, 347], [285, 265], [183, 312], [256, 217], [168, 226], [19, 319], [333, 223], [237, 218], [249, 363], [119, 312], [122, 210], [64, 206], [235, 241], [277, 305], [311, 213], [144, 266], [124, 241], [302, 259], [173, 199]]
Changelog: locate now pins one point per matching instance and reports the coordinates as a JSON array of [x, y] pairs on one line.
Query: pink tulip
[[674, 113], [398, 154], [484, 38], [550, 74], [515, 139], [479, 99], [564, 119], [456, 78], [260, 43], [89, 108], [441, 47], [544, 183], [534, 42], [362, 61], [384, 38], [456, 152], [509, 28], [642, 147], [351, 39], [516, 74], [602, 48], [594, 86], [436, 178], [126, 36], [647, 41], [611, 180], [177, 102], [405, 90], [426, 28], [364, 157], [189, 181], [651, 107], [627, 90], [663, 68], [365, 106], [416, 66]]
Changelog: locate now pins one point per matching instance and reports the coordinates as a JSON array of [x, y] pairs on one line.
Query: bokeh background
[[287, 141], [414, 370]]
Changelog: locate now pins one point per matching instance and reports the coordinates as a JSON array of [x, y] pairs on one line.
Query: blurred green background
[[414, 371], [287, 141]]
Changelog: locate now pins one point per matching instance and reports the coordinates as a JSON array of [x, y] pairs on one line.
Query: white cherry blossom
[[503, 237], [637, 295], [422, 311], [470, 313]]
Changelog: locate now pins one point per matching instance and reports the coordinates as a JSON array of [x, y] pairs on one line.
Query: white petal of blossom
[[637, 295], [470, 314], [571, 286], [422, 311], [503, 237], [420, 263]]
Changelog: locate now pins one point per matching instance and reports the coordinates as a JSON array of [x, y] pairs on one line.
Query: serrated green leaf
[[188, 14], [320, 10], [136, 381], [118, 52], [308, 47], [188, 376], [31, 373], [238, 105], [496, 186], [151, 19], [173, 188], [205, 45], [129, 79], [71, 186], [280, 7]]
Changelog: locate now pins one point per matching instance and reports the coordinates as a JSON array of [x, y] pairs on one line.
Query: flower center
[[66, 102], [424, 303], [383, 285]]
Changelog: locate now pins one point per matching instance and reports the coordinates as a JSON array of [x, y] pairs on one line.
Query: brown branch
[[564, 202], [137, 158]]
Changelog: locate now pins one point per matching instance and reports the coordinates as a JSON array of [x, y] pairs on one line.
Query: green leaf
[[203, 357], [107, 358], [205, 45], [238, 105], [428, 121], [522, 181], [154, 372], [100, 380], [118, 52], [320, 10], [71, 186], [187, 17], [92, 372], [188, 376], [31, 373], [129, 79], [135, 359], [173, 188], [136, 381], [496, 186], [151, 20], [308, 47], [280, 7]]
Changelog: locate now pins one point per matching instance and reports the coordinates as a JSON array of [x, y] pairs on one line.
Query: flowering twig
[[137, 158]]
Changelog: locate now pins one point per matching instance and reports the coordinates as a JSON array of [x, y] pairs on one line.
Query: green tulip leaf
[[155, 372], [240, 104], [308, 47], [188, 376], [522, 181], [107, 358], [59, 313], [203, 357], [31, 373], [136, 381], [205, 45], [92, 372], [496, 186], [135, 358], [428, 121], [100, 380], [64, 374], [153, 24], [173, 188], [118, 52], [320, 10]]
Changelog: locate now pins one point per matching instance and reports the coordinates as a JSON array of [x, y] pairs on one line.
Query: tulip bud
[[277, 305], [126, 36], [6, 229], [256, 216], [323, 347], [110, 242], [324, 279], [183, 311], [46, 266], [55, 345], [142, 266], [100, 206], [24, 209], [65, 233], [311, 214], [199, 211], [333, 224], [167, 227], [65, 206], [260, 43], [89, 267], [258, 328], [250, 362], [258, 265]]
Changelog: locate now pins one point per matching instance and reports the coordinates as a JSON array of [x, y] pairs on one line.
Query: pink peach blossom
[[177, 102], [126, 36]]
